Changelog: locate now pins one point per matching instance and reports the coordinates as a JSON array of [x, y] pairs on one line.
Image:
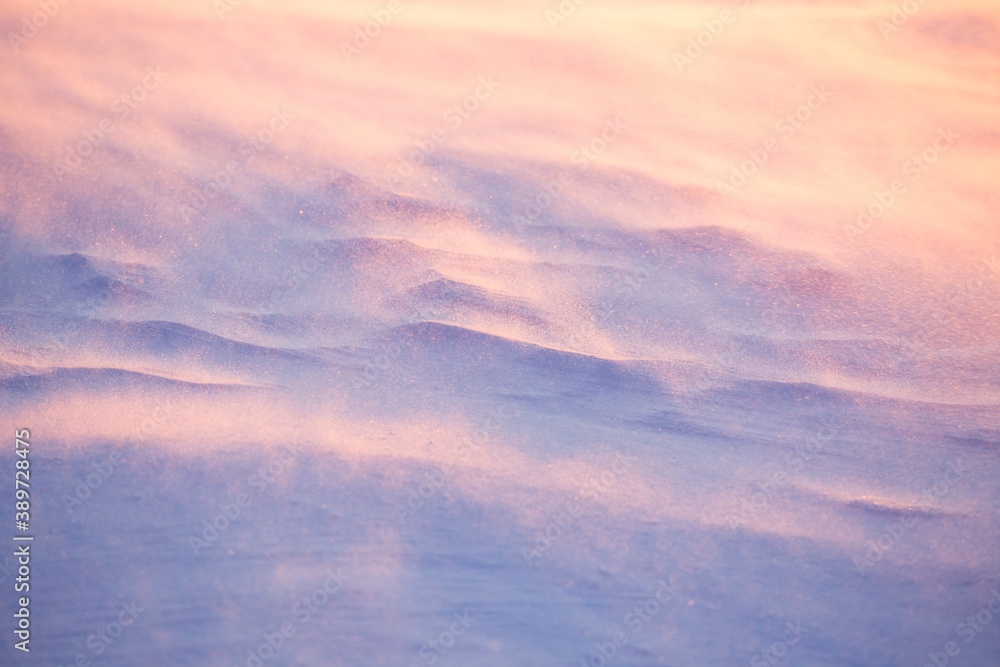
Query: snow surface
[[732, 393]]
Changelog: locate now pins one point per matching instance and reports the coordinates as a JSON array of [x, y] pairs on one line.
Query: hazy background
[[371, 284]]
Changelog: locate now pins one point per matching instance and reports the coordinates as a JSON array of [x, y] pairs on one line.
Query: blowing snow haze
[[495, 333]]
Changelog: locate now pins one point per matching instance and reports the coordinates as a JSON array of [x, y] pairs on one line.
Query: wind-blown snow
[[553, 310]]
